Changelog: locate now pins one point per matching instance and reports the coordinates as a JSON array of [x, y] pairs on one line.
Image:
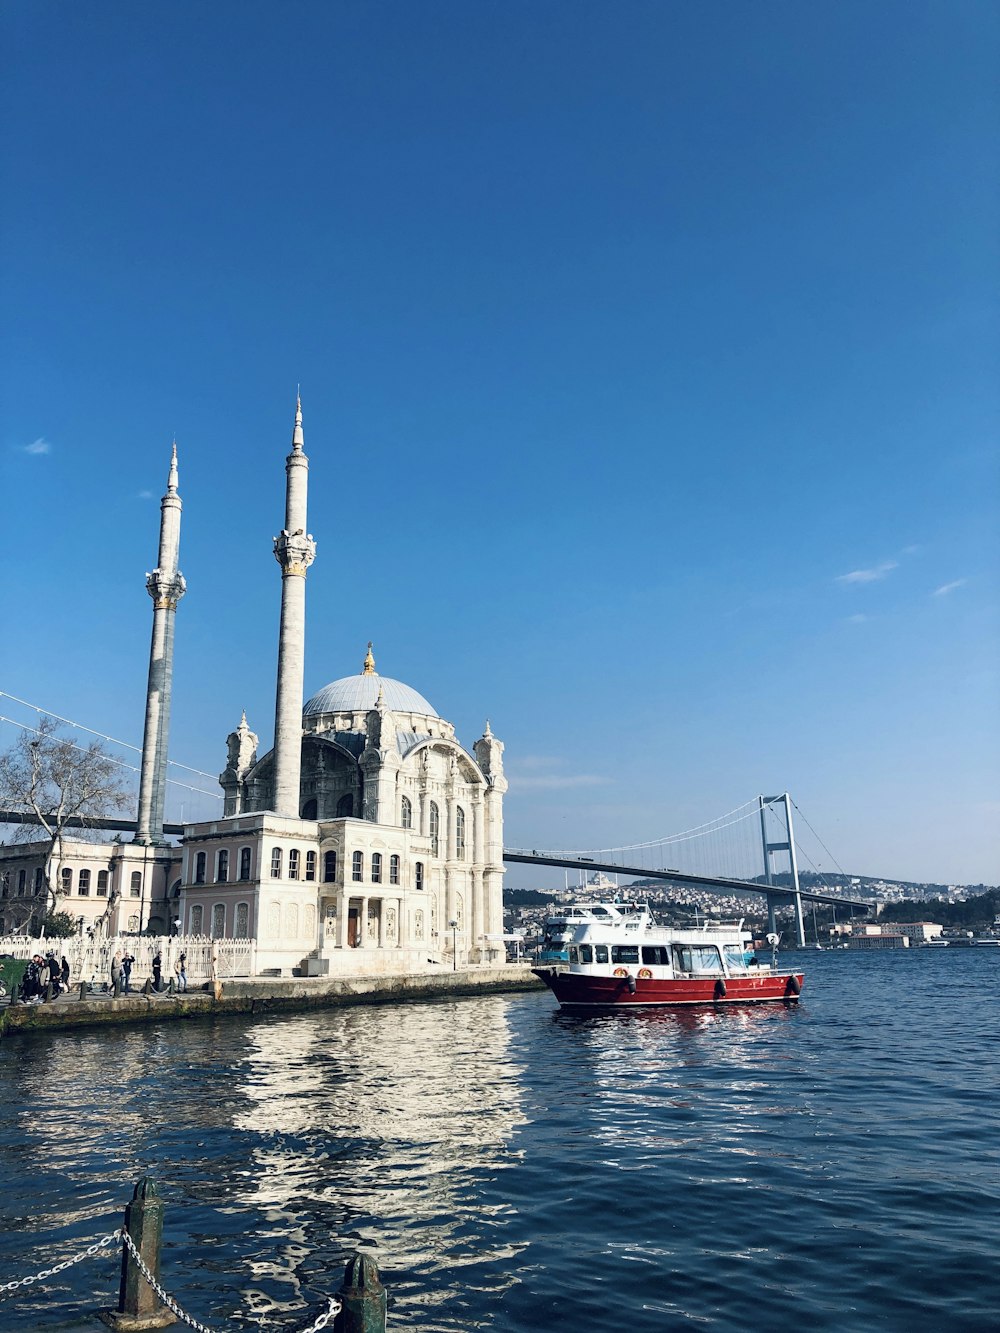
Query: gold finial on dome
[[369, 669]]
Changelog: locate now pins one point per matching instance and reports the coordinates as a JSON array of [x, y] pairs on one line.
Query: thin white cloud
[[946, 588], [859, 619], [869, 575], [145, 495], [554, 781], [39, 446]]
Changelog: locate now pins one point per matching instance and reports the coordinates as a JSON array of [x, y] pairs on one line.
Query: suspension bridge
[[752, 849]]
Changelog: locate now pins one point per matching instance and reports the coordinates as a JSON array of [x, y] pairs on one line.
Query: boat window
[[586, 953], [601, 911], [656, 953], [600, 953], [624, 953], [574, 956], [734, 955], [696, 958]]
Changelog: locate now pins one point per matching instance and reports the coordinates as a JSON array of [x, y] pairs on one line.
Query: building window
[[293, 863], [4, 884], [133, 923], [310, 809], [406, 813], [393, 869], [65, 878], [419, 874], [345, 807], [222, 868], [275, 862], [376, 867], [435, 828], [200, 863], [244, 863], [135, 885], [241, 930], [21, 877], [196, 919], [329, 867], [357, 867], [460, 833], [218, 921], [310, 865], [38, 879], [102, 884], [83, 884]]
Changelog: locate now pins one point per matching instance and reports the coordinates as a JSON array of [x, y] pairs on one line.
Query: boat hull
[[576, 990]]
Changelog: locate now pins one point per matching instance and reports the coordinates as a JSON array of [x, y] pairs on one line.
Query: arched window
[[222, 867], [200, 862], [393, 869], [196, 919], [66, 879], [376, 867], [460, 833], [406, 812], [83, 884], [310, 865], [39, 873], [358, 867], [293, 863], [102, 884], [245, 861], [218, 921], [435, 828], [275, 862], [345, 807], [419, 877], [135, 884], [310, 809], [242, 927], [329, 867], [22, 875]]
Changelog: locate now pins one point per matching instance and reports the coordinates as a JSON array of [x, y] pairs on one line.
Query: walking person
[[180, 971], [157, 971], [116, 971], [64, 972], [127, 961]]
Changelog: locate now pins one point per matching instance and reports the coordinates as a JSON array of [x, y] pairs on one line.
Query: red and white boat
[[619, 956]]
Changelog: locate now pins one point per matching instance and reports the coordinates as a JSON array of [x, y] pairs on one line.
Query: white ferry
[[618, 955]]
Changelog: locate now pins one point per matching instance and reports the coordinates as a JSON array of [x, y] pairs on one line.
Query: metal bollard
[[363, 1298], [83, 990], [50, 993], [148, 987], [139, 1306]]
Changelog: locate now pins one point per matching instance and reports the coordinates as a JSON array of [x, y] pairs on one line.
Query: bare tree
[[64, 786]]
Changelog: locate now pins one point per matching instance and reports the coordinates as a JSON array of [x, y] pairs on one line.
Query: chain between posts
[[106, 1243]]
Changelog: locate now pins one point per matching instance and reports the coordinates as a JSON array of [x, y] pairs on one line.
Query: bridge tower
[[166, 586], [769, 848]]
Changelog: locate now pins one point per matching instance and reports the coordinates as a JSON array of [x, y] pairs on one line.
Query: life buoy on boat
[[645, 973], [792, 986], [720, 989], [620, 972]]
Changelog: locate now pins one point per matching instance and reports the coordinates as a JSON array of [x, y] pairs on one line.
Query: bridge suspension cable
[[112, 740], [699, 831], [174, 782]]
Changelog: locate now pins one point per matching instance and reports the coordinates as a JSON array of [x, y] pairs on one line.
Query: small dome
[[357, 694]]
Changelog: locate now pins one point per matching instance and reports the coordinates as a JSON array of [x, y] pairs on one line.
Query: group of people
[[121, 972], [44, 971]]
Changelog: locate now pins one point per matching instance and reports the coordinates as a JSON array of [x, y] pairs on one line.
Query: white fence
[[90, 960]]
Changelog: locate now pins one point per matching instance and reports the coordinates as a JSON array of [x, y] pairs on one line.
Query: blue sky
[[648, 360]]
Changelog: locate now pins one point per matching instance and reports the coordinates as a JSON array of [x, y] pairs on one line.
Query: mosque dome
[[357, 694]]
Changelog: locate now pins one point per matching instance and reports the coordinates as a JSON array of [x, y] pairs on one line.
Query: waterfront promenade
[[258, 995]]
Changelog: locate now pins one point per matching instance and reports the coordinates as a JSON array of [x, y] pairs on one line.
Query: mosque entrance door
[[353, 926]]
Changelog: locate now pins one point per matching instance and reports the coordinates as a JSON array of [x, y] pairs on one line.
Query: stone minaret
[[166, 587], [294, 551]]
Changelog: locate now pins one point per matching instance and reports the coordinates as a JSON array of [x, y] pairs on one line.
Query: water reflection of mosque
[[373, 1125]]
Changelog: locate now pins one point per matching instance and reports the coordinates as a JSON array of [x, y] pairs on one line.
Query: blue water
[[830, 1166]]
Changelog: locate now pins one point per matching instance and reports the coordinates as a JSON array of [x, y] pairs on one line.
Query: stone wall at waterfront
[[260, 996]]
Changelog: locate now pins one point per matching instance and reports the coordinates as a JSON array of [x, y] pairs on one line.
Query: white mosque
[[367, 840]]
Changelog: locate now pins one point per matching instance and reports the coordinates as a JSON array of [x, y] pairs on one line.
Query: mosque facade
[[367, 840]]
